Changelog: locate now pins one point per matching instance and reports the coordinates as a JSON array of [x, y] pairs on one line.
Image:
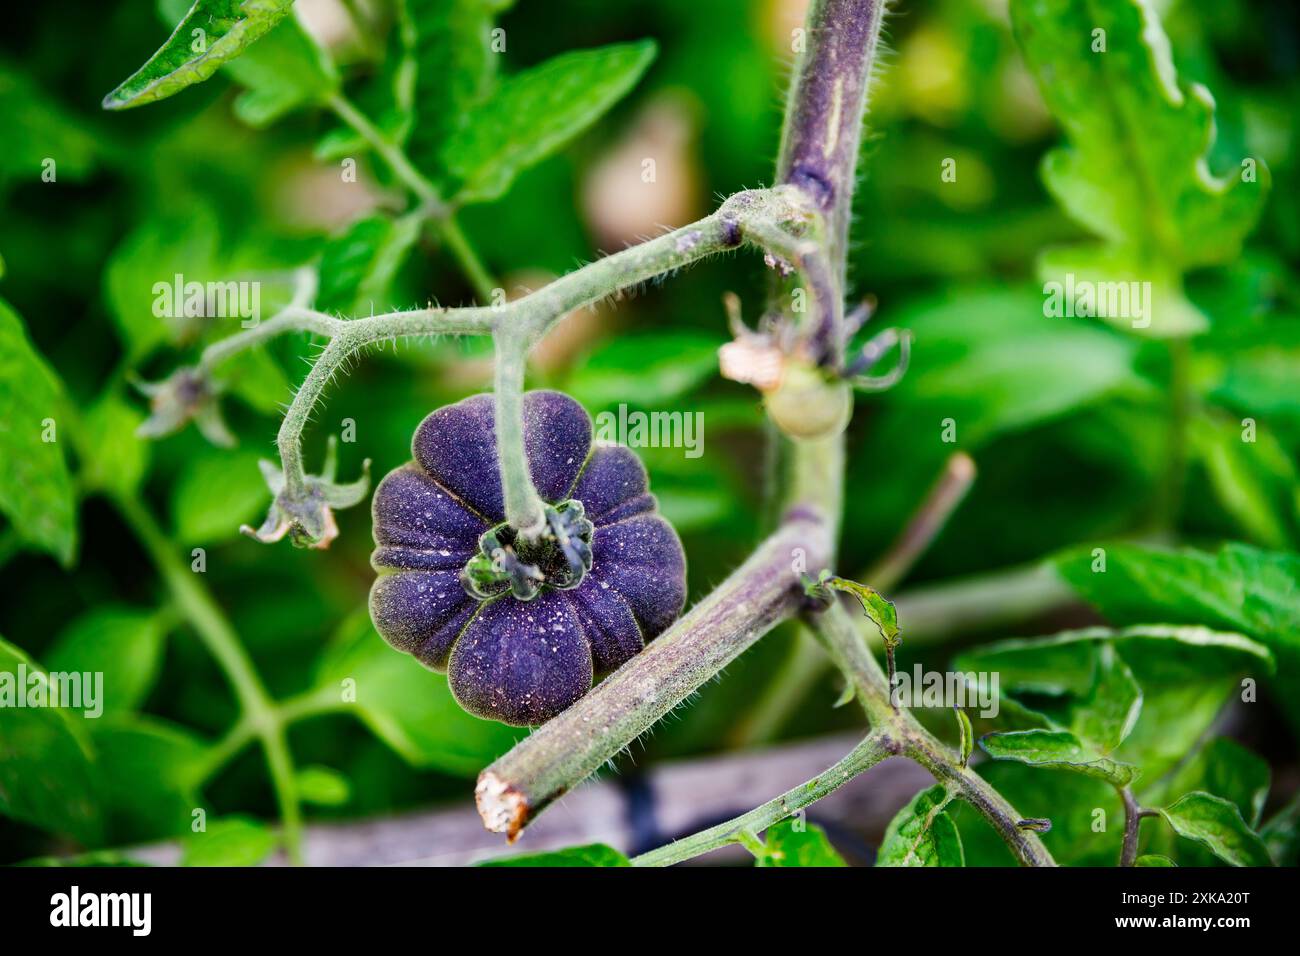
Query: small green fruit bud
[[806, 404]]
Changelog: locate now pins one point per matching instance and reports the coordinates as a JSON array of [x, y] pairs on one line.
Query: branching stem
[[874, 748]]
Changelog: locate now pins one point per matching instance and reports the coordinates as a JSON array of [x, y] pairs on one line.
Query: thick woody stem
[[757, 596]]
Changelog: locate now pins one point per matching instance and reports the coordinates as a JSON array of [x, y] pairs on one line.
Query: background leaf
[[215, 494], [593, 854], [230, 841], [411, 709], [1217, 823], [35, 489], [47, 773], [804, 847], [922, 835], [122, 643], [534, 113]]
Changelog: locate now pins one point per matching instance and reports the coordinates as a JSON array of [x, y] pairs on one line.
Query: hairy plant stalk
[[823, 120], [260, 718], [523, 505], [560, 754], [808, 662], [432, 203], [844, 638], [874, 748], [737, 220], [1133, 814]]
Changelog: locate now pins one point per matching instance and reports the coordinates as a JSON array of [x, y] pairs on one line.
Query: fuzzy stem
[[523, 505], [877, 746], [926, 523], [823, 118], [259, 713], [844, 639], [391, 153], [528, 318], [1132, 821], [470, 263], [563, 752]]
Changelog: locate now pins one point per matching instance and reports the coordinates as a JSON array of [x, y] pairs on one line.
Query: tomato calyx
[[559, 557]]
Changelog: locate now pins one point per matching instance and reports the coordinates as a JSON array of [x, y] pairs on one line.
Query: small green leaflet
[[230, 841], [966, 738], [1153, 859], [593, 854], [533, 114], [358, 266], [1134, 172], [323, 786], [212, 33], [922, 834], [112, 457], [1217, 824], [793, 843], [874, 604], [1058, 749], [35, 488]]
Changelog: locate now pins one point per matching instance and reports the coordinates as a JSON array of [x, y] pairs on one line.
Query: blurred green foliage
[[1068, 420]]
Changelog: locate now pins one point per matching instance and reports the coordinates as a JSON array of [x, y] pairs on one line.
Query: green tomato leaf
[[323, 786], [215, 494], [358, 266], [1134, 171], [791, 844], [645, 371], [230, 841], [123, 644], [1282, 834], [47, 770], [35, 489], [113, 458], [1153, 859], [994, 363], [1255, 481], [593, 854], [37, 128], [283, 72], [1108, 713], [874, 604], [141, 274], [407, 707], [533, 114], [1217, 824], [1240, 588], [452, 71], [1057, 749], [148, 776], [1226, 769], [922, 834], [212, 33]]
